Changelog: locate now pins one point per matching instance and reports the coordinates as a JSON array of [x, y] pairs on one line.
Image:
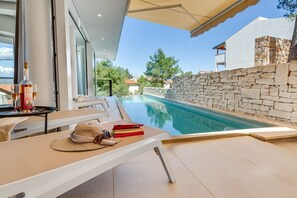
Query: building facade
[[239, 49]]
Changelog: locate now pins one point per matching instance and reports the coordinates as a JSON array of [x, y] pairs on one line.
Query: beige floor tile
[[225, 174], [288, 144], [194, 150], [148, 180], [100, 186], [272, 158], [151, 156]]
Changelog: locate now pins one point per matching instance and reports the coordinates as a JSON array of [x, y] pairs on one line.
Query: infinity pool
[[178, 118]]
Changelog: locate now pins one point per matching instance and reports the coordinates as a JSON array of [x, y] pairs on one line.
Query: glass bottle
[[26, 91]]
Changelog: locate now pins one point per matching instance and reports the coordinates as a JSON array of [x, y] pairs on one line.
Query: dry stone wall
[[271, 50], [268, 91]]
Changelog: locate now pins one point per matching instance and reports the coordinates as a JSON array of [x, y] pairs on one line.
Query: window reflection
[[7, 33], [79, 55]]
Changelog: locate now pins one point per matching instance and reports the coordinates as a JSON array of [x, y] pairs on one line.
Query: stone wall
[[271, 50], [268, 91]]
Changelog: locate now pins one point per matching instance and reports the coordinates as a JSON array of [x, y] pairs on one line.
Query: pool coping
[[279, 131]]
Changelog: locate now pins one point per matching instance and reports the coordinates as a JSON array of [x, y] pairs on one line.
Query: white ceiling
[[108, 26]]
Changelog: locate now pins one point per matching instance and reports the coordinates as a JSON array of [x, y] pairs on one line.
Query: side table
[[39, 111]]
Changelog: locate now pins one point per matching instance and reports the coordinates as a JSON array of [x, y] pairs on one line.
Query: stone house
[[262, 41]]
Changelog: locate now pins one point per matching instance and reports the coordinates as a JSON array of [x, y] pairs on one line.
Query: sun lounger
[[55, 120], [91, 101], [7, 125], [30, 166]]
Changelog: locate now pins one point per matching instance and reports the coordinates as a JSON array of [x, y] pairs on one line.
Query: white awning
[[196, 16]]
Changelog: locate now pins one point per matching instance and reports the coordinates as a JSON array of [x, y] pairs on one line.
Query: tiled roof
[[131, 82]]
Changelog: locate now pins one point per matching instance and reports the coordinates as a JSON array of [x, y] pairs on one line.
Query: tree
[[105, 71], [143, 82], [291, 12], [161, 68], [184, 74]]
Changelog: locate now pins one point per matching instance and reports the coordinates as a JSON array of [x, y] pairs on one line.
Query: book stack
[[126, 130]]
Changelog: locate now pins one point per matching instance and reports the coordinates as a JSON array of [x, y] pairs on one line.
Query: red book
[[128, 134], [126, 126]]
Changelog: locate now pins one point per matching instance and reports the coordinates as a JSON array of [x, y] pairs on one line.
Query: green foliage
[[290, 6], [184, 74], [105, 71], [161, 68], [143, 82]]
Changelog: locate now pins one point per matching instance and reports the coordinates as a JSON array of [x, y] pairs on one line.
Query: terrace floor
[[227, 167]]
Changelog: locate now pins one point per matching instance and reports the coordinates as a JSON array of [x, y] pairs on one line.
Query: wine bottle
[[26, 91]]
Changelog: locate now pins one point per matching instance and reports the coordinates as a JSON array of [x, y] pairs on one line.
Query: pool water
[[179, 119]]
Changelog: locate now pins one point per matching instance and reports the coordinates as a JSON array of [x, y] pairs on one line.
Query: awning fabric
[[196, 16]]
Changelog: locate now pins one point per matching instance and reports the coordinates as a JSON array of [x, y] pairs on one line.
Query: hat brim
[[68, 145]]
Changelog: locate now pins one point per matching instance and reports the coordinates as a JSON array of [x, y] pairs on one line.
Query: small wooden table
[[30, 166], [39, 111]]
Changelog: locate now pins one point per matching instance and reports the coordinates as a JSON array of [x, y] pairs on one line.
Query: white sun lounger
[[31, 167], [55, 120], [84, 102]]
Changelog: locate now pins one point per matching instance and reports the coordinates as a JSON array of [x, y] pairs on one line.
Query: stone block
[[268, 102], [264, 108], [250, 93], [264, 91], [256, 101], [246, 105], [293, 66], [285, 100], [283, 88], [294, 107], [265, 81], [293, 73], [294, 115], [227, 87], [273, 91], [280, 114], [269, 68], [283, 106], [293, 95], [256, 86], [284, 94], [249, 111], [294, 120], [268, 75], [273, 98], [256, 107], [281, 74], [265, 86], [292, 80], [252, 70]]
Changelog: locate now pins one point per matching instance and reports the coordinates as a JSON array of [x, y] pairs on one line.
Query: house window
[[6, 69]]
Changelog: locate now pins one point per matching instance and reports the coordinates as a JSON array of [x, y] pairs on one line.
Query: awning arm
[[164, 7], [156, 8], [222, 16]]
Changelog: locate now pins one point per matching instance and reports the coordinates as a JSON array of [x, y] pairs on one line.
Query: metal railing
[[104, 87]]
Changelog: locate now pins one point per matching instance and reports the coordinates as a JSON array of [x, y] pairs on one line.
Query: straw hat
[[85, 137]]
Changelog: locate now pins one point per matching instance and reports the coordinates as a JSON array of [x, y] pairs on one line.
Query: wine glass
[[15, 95], [34, 96]]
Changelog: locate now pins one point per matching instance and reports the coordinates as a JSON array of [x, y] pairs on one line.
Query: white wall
[[133, 88], [240, 48]]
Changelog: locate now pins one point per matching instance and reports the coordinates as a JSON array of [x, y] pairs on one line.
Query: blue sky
[[140, 39]]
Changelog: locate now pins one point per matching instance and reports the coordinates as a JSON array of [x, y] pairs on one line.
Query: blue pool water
[[181, 119]]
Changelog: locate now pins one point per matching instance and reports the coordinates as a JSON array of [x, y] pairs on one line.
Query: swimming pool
[[179, 119]]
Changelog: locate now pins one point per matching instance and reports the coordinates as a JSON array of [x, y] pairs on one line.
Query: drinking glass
[[15, 95], [34, 97]]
